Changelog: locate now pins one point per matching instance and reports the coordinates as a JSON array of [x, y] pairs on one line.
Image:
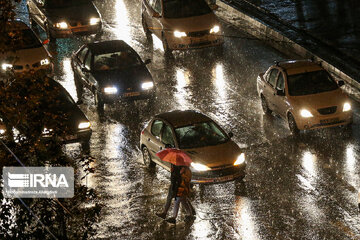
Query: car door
[[154, 143], [167, 139], [280, 100], [155, 12], [269, 88], [85, 74], [37, 11], [78, 63]]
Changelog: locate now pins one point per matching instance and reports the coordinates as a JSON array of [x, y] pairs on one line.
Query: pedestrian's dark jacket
[[175, 179]]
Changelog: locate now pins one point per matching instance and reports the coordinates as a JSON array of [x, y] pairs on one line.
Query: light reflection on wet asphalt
[[294, 189]]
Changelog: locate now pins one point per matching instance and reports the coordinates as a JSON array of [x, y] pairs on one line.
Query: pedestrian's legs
[[168, 200], [176, 206]]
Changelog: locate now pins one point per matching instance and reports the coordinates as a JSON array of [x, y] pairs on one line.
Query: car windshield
[[185, 8], [22, 39], [64, 3], [310, 83], [116, 60], [200, 135]]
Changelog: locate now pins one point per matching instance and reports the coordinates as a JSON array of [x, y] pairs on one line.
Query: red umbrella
[[174, 156]]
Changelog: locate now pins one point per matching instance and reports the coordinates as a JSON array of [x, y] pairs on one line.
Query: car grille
[[219, 172], [198, 34], [327, 111], [78, 23], [18, 67]]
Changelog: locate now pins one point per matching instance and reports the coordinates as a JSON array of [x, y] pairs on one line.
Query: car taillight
[[142, 132]]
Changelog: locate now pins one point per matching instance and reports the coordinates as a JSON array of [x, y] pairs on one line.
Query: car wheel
[[48, 34], [147, 157], [146, 29], [292, 125], [265, 106], [99, 101]]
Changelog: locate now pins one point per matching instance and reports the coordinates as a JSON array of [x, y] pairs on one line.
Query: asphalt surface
[[304, 188]]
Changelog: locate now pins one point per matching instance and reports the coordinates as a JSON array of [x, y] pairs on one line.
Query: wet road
[[294, 189]]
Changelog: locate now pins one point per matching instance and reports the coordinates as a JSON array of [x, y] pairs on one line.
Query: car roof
[[108, 46], [293, 67], [180, 118]]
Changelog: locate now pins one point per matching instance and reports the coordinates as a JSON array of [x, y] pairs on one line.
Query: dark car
[[63, 18], [215, 157], [63, 118], [112, 70]]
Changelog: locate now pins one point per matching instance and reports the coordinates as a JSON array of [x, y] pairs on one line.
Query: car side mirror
[[147, 61], [341, 83], [84, 69], [280, 92], [156, 15], [213, 7], [169, 146], [230, 134]]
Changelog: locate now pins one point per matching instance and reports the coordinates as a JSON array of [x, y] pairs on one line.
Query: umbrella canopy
[[174, 156]]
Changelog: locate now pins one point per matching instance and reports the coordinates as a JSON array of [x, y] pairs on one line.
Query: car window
[[22, 39], [200, 135], [272, 76], [116, 60], [185, 8], [167, 136], [311, 83], [87, 62], [281, 82], [156, 128], [82, 54]]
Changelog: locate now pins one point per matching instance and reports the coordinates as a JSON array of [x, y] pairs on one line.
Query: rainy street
[[295, 188]]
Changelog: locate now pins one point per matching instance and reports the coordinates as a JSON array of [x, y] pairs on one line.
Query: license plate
[[79, 29], [330, 120], [132, 94]]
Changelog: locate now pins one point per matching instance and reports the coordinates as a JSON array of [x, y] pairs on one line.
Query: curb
[[259, 29]]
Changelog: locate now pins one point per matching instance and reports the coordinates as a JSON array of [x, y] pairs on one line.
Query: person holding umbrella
[[179, 185]]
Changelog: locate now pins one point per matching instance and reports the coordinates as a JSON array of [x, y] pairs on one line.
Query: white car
[[25, 52]]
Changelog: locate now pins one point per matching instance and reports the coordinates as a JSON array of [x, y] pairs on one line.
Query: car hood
[[320, 100], [203, 22], [125, 78], [215, 156], [80, 13], [25, 56]]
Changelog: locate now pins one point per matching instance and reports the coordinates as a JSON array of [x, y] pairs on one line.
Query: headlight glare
[[179, 34], [45, 61], [62, 25], [215, 29], [305, 113], [6, 66], [147, 85], [84, 125], [199, 167], [240, 159], [110, 90], [94, 21], [347, 107], [2, 131]]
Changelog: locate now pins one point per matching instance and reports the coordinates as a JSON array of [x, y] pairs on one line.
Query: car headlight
[[94, 21], [110, 90], [45, 61], [305, 113], [215, 29], [147, 85], [47, 131], [62, 25], [199, 167], [347, 107], [6, 66], [240, 159], [84, 125], [179, 34], [2, 131]]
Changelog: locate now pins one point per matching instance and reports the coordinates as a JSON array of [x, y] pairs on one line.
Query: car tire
[[147, 158], [265, 106], [48, 33], [292, 125], [99, 101], [146, 29]]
